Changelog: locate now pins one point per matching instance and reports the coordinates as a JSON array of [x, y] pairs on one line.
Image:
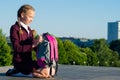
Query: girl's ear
[[22, 15]]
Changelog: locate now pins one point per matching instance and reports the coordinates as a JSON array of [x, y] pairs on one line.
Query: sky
[[64, 18]]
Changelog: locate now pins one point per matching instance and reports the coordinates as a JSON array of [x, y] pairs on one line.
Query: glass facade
[[113, 31]]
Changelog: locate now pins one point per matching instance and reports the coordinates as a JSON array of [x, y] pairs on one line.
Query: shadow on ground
[[2, 74]]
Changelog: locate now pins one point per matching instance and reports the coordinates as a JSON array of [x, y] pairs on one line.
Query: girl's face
[[27, 17]]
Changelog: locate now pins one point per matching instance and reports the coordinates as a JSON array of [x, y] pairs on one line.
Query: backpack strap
[[55, 68], [54, 48], [51, 47]]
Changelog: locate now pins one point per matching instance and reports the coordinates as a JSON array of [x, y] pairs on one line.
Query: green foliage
[[103, 52], [115, 46], [92, 59], [73, 53], [98, 54], [116, 63], [34, 58], [115, 59], [5, 51], [62, 53]]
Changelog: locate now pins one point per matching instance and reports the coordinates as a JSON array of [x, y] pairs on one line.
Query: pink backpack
[[47, 52]]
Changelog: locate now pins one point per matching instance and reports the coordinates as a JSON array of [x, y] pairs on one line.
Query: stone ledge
[[74, 72]]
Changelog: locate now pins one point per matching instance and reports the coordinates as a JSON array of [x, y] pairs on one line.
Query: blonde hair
[[35, 35], [24, 9], [34, 32]]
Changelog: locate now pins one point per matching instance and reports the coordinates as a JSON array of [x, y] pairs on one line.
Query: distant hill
[[81, 42]]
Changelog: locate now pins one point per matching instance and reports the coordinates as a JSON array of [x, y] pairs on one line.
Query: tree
[[104, 54], [5, 51], [115, 46], [74, 54], [92, 59], [62, 53], [115, 59]]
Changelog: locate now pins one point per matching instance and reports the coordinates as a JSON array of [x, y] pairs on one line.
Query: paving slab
[[73, 72]]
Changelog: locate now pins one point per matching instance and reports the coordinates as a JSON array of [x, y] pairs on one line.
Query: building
[[113, 31]]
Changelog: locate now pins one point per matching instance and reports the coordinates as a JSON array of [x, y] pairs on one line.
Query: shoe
[[10, 72], [22, 75]]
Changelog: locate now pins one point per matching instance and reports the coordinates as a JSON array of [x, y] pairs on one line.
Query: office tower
[[113, 31]]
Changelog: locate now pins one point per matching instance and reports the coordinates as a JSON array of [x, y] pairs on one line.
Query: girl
[[23, 41]]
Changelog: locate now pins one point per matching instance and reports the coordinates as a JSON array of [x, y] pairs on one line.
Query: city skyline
[[65, 18]]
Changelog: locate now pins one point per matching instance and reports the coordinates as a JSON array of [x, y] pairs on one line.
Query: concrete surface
[[73, 72]]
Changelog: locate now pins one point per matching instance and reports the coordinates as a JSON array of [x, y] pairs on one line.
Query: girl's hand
[[40, 38]]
